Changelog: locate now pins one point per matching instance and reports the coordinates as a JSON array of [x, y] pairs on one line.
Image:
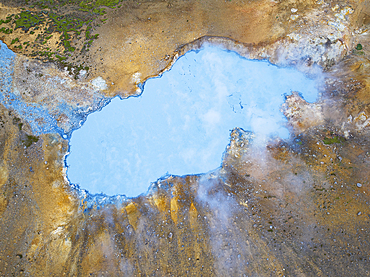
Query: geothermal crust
[[295, 207]]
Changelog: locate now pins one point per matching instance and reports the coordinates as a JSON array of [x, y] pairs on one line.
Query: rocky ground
[[294, 208]]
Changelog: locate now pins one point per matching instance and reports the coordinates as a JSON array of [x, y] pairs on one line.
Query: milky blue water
[[41, 117], [182, 121]]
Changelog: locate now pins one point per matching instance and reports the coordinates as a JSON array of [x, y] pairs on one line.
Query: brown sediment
[[145, 38], [277, 210], [294, 208]]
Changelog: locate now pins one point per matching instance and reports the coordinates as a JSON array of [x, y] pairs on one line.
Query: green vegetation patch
[[17, 121], [7, 20], [29, 140], [335, 139], [359, 47], [94, 5], [15, 40], [56, 30], [6, 31], [27, 20], [358, 50]]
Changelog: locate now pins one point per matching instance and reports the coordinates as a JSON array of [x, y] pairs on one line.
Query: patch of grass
[[70, 22], [27, 20], [7, 20], [359, 47], [87, 5], [60, 58], [17, 121], [335, 139], [29, 140], [6, 31], [15, 40]]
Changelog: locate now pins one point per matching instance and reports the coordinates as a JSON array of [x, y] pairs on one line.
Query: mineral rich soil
[[293, 208]]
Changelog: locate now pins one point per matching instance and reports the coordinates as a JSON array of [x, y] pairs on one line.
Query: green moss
[[17, 121], [6, 31], [100, 11], [27, 20], [69, 20], [15, 40], [88, 4], [47, 54], [8, 19], [60, 58], [29, 140], [359, 47], [335, 139]]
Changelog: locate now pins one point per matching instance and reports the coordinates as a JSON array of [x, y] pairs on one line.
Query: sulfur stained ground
[[294, 208]]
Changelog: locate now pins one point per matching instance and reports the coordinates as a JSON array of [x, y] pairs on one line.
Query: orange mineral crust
[[298, 207]]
